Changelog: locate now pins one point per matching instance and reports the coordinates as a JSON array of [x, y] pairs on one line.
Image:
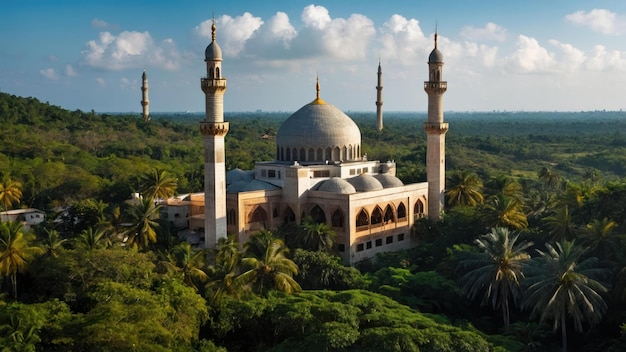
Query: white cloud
[[130, 49], [571, 58], [603, 60], [402, 39], [100, 81], [281, 29], [233, 31], [316, 17], [530, 57], [49, 73], [599, 20], [69, 71], [491, 31], [98, 23]]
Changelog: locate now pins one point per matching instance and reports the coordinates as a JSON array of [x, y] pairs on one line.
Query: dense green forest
[[528, 256]]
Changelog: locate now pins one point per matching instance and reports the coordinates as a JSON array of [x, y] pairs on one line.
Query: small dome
[[388, 181], [435, 56], [237, 174], [336, 185], [365, 183], [213, 52], [249, 186]]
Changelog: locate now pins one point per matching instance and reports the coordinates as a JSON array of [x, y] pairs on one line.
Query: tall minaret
[[379, 99], [144, 96], [436, 133], [213, 130]]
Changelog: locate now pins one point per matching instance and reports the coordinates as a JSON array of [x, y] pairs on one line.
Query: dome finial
[[317, 100], [213, 28], [435, 35]]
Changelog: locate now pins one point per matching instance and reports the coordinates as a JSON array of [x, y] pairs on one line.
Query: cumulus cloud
[[401, 38], [234, 32], [69, 71], [130, 49], [49, 73], [530, 56], [281, 29], [490, 31], [316, 17], [602, 60], [599, 20], [571, 58]]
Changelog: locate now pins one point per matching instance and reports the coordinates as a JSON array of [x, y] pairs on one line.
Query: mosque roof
[[318, 125], [237, 174], [388, 181], [336, 185], [213, 51], [249, 186], [365, 183]]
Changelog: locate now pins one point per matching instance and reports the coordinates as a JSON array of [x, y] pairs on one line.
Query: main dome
[[318, 132]]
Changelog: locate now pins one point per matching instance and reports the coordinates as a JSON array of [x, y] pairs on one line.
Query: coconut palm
[[266, 265], [561, 224], [90, 239], [497, 271], [10, 193], [52, 242], [222, 275], [549, 177], [465, 188], [600, 238], [505, 211], [315, 236], [157, 184], [15, 251], [564, 287], [143, 216], [190, 263]]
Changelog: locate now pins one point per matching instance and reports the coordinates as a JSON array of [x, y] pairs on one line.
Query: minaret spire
[[379, 99], [317, 100], [436, 134], [145, 101], [213, 130]]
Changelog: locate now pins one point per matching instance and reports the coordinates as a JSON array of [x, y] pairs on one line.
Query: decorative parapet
[[435, 87], [214, 128], [435, 128], [212, 84]]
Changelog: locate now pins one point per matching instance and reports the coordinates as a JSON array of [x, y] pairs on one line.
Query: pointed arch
[[377, 216], [258, 215], [311, 155], [318, 215], [320, 154], [329, 155], [231, 217], [344, 153], [289, 216], [362, 219], [389, 215], [210, 72], [337, 219], [336, 154], [294, 154], [418, 210], [288, 156], [401, 211], [217, 72], [302, 154]]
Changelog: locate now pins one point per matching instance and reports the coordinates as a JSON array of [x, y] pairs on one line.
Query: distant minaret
[[436, 134], [214, 129], [379, 99], [145, 101]]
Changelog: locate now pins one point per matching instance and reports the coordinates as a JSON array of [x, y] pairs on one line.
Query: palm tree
[[315, 236], [157, 184], [505, 211], [143, 217], [600, 238], [561, 224], [549, 177], [223, 273], [465, 189], [52, 242], [562, 288], [267, 266], [90, 239], [190, 263], [15, 251], [497, 271], [10, 193]]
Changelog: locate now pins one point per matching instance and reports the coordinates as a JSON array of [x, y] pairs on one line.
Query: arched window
[[302, 154], [320, 154], [350, 157], [259, 214], [336, 153], [418, 211], [231, 217], [317, 214], [295, 154], [328, 154], [337, 218], [344, 153], [362, 219], [289, 216], [288, 157], [210, 72], [377, 216], [401, 211], [217, 72], [389, 218], [311, 155]]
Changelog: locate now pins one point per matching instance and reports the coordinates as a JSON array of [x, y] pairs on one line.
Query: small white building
[[29, 216]]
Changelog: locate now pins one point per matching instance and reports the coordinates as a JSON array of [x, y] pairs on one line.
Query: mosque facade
[[320, 171]]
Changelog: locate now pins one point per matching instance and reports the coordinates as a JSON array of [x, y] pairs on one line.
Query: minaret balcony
[[213, 129], [212, 84], [435, 87], [436, 127]]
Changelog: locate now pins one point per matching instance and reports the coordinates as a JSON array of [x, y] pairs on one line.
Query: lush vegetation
[[529, 251]]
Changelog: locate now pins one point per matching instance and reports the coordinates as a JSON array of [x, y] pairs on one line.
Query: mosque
[[320, 171]]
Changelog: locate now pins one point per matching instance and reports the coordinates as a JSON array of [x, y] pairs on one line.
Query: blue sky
[[560, 55]]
